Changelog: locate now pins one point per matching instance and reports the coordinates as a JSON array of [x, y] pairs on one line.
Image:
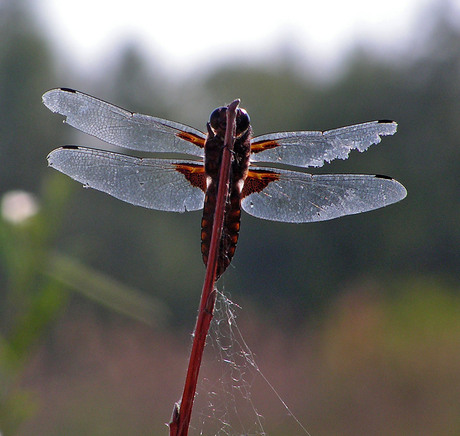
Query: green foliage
[[30, 303], [35, 281]]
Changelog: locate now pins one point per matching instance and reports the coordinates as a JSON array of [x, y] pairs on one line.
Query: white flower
[[18, 206]]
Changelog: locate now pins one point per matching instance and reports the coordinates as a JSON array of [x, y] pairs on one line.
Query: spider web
[[224, 404]]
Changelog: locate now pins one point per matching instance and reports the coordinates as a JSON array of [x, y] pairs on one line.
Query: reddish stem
[[182, 412]]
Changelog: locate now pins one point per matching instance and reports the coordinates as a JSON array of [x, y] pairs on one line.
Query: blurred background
[[355, 322]]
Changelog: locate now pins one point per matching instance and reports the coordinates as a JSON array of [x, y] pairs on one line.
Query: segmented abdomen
[[230, 229]]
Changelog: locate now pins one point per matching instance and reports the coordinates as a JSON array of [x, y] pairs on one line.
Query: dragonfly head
[[218, 121]]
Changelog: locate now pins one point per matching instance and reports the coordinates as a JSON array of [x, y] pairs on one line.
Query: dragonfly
[[256, 185]]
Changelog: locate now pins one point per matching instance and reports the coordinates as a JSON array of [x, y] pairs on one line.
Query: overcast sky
[[185, 35]]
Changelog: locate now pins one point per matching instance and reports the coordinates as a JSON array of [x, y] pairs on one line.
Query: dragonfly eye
[[218, 118], [242, 121]]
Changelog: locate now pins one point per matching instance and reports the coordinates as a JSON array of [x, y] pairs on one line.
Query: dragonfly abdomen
[[230, 229]]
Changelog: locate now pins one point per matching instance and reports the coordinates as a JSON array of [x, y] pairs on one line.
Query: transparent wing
[[313, 149], [298, 197], [120, 127], [151, 183]]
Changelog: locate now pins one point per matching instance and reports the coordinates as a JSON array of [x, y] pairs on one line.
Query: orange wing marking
[[257, 180], [190, 137], [194, 174], [257, 147]]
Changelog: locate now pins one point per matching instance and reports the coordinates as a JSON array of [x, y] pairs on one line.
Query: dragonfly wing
[[315, 148], [123, 128], [152, 183], [295, 197]]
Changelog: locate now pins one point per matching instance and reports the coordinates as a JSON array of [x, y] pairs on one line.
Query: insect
[[182, 185]]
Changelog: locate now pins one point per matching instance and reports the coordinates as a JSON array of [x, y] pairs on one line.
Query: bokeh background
[[355, 322]]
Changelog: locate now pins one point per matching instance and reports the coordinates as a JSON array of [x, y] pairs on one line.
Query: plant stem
[[182, 412]]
